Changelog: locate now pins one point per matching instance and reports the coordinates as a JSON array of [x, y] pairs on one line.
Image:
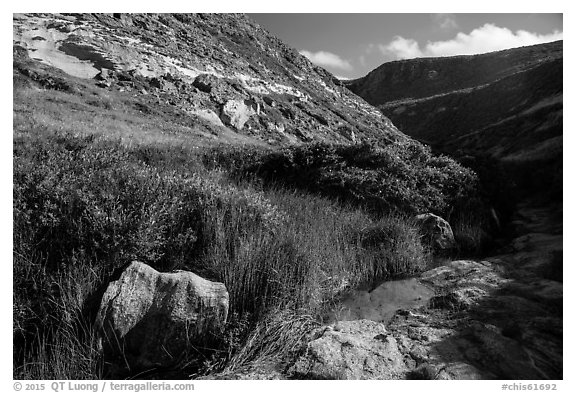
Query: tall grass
[[274, 339], [52, 337]]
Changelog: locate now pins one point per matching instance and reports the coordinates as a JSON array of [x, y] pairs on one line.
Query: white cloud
[[487, 38], [327, 59], [402, 48], [445, 21]]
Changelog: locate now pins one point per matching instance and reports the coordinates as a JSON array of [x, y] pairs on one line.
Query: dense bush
[[402, 176], [75, 196]]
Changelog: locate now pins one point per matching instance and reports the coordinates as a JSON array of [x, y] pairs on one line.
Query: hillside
[[221, 75], [505, 105]]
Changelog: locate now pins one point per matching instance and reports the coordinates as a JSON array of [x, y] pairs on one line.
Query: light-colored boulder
[[151, 319], [436, 231], [235, 113], [360, 349]]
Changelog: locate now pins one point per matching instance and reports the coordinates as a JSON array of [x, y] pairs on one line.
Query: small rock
[[419, 353], [269, 101], [436, 231], [104, 75], [103, 84], [209, 116]]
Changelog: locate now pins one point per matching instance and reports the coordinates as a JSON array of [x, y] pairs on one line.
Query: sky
[[351, 45]]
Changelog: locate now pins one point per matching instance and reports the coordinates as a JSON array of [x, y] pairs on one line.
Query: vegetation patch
[[398, 177], [85, 206]]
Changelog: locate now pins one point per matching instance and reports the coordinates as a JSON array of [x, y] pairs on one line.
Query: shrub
[[398, 177], [473, 223], [276, 338]]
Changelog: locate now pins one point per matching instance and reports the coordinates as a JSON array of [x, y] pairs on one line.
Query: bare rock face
[[151, 318], [360, 349], [463, 283], [437, 231]]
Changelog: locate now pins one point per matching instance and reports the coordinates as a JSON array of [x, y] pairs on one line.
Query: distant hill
[[507, 105]]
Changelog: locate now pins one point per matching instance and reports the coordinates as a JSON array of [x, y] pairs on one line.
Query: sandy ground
[[381, 304]]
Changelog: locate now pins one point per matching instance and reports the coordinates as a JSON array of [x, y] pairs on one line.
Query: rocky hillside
[[223, 73], [505, 104]]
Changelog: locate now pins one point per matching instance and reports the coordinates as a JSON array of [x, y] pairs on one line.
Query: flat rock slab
[[482, 325], [360, 349]]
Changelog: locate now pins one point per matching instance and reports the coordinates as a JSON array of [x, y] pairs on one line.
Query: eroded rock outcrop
[[150, 319], [483, 324]]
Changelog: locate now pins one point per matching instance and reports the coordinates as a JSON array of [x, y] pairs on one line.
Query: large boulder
[[151, 319], [361, 349], [236, 113], [436, 231]]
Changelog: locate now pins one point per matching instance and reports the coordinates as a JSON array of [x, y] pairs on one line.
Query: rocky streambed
[[500, 317]]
